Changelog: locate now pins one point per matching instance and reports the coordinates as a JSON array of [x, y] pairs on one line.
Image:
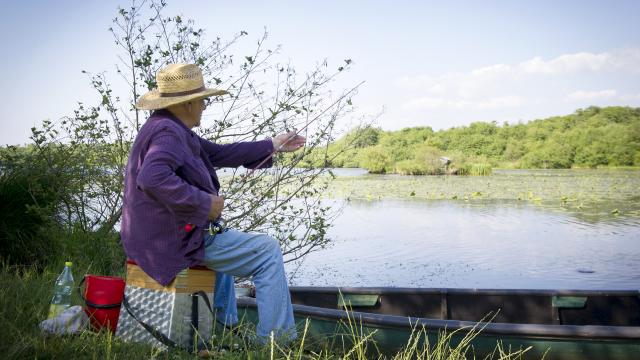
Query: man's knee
[[269, 245]]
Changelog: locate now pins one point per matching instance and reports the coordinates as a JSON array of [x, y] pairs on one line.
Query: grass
[[24, 303], [476, 169]]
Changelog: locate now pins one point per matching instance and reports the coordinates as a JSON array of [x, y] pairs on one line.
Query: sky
[[425, 63]]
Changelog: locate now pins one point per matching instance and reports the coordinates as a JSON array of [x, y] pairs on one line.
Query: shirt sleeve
[[158, 179], [248, 153]]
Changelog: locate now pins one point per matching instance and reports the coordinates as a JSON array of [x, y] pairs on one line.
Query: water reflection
[[488, 244]]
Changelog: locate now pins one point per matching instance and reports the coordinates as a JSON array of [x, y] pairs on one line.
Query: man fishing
[[172, 210]]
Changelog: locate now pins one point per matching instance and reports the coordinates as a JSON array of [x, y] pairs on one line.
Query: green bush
[[376, 160], [553, 155], [32, 233], [28, 198]]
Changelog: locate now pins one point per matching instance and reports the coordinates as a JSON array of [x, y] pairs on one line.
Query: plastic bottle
[[62, 291]]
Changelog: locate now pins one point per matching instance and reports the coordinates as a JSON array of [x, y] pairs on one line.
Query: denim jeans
[[235, 253]]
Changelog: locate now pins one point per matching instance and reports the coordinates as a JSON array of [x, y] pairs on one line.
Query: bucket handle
[[91, 304]]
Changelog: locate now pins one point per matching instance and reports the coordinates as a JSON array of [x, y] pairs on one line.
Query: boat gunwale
[[458, 291], [538, 331]]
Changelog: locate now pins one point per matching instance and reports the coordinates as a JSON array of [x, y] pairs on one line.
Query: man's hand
[[217, 203], [288, 142]]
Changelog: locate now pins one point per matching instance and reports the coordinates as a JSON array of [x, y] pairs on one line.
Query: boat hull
[[332, 323]]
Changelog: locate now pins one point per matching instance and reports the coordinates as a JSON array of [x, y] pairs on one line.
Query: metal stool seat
[[178, 311]]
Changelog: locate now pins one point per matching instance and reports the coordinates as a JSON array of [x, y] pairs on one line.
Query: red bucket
[[102, 296]]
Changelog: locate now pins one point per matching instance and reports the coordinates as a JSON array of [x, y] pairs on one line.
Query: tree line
[[590, 137]]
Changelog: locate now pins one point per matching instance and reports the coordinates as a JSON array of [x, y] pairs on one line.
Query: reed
[[475, 169], [24, 302]]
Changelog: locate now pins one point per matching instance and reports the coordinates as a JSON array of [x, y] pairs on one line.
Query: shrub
[[376, 160], [28, 199]]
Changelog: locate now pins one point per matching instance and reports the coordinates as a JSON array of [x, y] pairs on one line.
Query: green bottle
[[62, 292]]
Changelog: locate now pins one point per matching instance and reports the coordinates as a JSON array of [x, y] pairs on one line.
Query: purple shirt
[[168, 183]]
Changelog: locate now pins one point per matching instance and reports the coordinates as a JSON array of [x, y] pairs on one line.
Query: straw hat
[[177, 83]]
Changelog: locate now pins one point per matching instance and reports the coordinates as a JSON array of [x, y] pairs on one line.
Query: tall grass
[[476, 169], [26, 293]]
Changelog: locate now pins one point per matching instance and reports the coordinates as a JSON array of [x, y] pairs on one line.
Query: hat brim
[[153, 101]]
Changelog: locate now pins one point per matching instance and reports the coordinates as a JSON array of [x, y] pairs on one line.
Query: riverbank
[[24, 303]]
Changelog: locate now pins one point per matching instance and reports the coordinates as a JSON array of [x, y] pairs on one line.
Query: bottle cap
[[68, 263]]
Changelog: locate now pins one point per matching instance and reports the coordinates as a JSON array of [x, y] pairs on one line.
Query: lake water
[[549, 231]]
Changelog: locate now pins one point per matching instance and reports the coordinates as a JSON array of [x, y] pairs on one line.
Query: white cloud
[[500, 102], [426, 102], [621, 60], [571, 63], [531, 82], [437, 89], [492, 70], [439, 102], [627, 60], [631, 98], [592, 95]]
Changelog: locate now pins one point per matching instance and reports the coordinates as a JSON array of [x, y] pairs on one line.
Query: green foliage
[[376, 160], [365, 136], [88, 153], [475, 169], [551, 155], [425, 160], [590, 137], [28, 202], [34, 227]]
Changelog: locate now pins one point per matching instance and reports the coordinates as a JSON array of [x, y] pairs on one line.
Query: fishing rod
[[297, 132], [218, 225]]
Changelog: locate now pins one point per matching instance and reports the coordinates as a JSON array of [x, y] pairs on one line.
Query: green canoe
[[556, 324]]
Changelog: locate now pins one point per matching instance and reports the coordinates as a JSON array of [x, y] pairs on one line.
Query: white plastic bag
[[70, 321]]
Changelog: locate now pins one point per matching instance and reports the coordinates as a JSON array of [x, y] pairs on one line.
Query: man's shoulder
[[159, 122], [160, 125]]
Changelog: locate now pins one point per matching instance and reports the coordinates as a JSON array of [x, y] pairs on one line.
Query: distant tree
[[376, 160], [552, 155], [514, 150], [589, 137], [365, 136]]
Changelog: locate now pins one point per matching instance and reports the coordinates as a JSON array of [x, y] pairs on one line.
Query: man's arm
[[157, 178], [248, 154]]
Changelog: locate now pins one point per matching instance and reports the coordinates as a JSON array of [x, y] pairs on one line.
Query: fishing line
[[297, 132]]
